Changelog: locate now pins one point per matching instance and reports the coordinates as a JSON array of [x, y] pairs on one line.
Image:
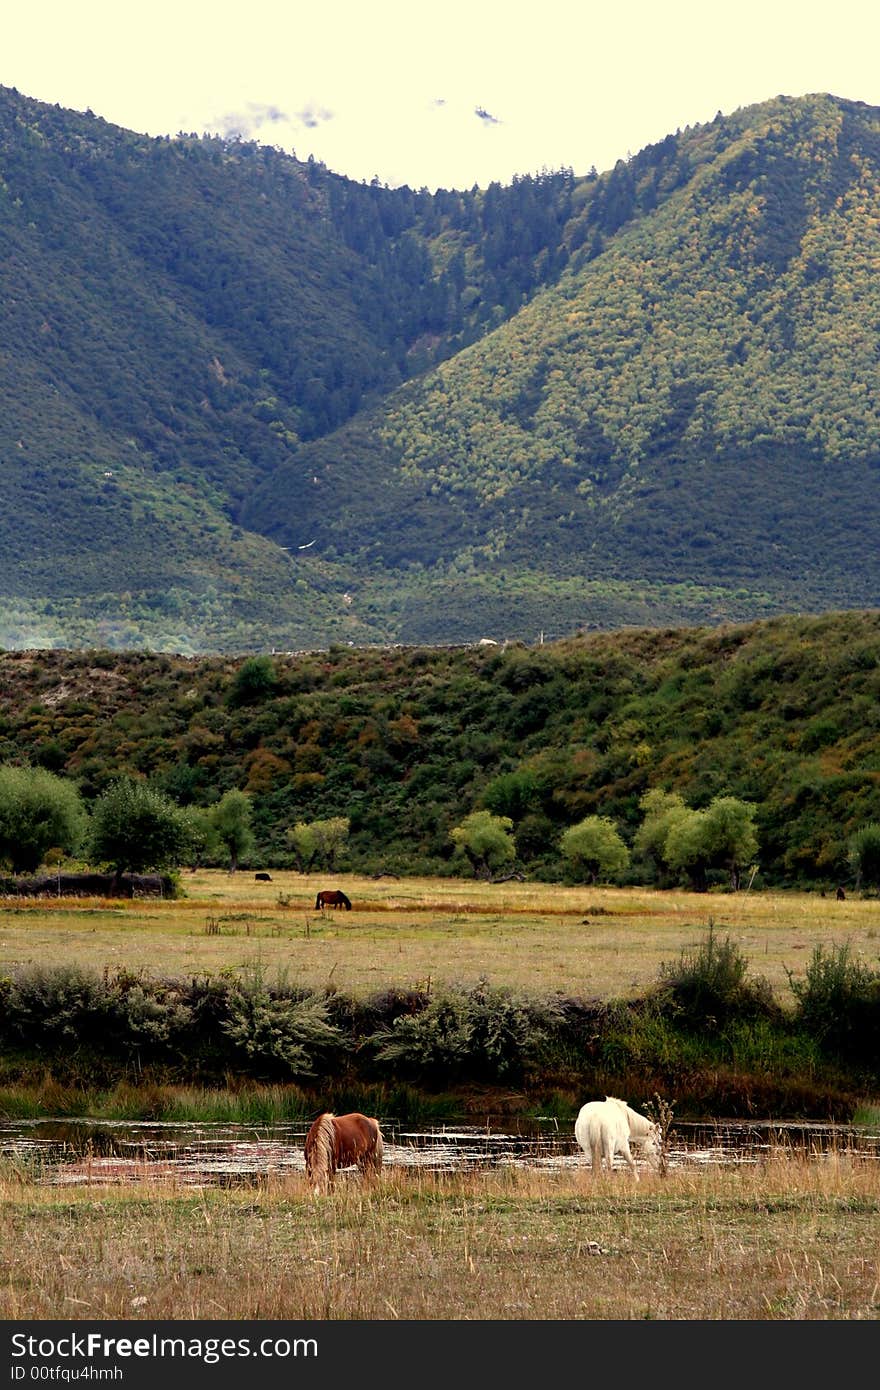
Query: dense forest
[[402, 743], [185, 313], [253, 404]]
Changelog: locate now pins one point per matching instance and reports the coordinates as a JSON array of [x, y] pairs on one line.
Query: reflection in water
[[83, 1151]]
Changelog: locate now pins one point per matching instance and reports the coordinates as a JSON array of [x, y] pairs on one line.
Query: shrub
[[64, 1004], [838, 1003], [275, 1027], [255, 680], [484, 1034], [708, 985]]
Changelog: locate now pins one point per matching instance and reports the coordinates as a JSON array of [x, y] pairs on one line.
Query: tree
[[864, 855], [687, 848], [723, 837], [254, 680], [513, 794], [302, 840], [594, 848], [231, 820], [661, 810], [318, 843], [732, 835], [204, 842], [486, 841], [39, 811], [135, 828]]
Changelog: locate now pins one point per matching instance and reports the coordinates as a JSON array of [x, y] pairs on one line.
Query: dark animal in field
[[264, 878], [332, 897], [339, 1141], [840, 895]]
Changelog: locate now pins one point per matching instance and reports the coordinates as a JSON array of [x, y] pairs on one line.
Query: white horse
[[606, 1127]]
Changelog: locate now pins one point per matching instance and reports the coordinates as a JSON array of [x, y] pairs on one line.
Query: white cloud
[[392, 88]]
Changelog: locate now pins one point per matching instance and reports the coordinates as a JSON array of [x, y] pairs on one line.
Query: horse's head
[[652, 1143]]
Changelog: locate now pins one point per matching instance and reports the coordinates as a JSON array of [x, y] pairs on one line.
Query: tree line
[[133, 827]]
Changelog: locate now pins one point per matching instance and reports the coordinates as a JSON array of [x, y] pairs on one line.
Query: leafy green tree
[[534, 837], [39, 811], [486, 841], [733, 836], [722, 836], [254, 680], [204, 843], [513, 794], [864, 855], [135, 828], [318, 843], [687, 848], [303, 842], [594, 849], [231, 820], [661, 810], [332, 837]]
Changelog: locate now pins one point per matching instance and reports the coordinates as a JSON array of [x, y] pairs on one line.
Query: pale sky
[[450, 94]]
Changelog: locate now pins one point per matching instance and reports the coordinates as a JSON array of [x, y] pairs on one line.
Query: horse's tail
[[321, 1152], [378, 1148], [317, 901]]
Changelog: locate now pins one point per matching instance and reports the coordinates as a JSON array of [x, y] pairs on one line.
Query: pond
[[65, 1151]]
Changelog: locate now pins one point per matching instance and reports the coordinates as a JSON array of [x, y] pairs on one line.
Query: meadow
[[787, 1239], [597, 942]]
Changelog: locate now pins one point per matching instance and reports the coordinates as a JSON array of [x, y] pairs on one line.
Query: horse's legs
[[630, 1160], [596, 1148]]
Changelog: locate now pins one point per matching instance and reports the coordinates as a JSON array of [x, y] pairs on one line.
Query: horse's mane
[[321, 1149], [640, 1127]]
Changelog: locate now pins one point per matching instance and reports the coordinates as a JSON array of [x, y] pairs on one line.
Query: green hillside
[[685, 426], [405, 742], [246, 403], [177, 316]]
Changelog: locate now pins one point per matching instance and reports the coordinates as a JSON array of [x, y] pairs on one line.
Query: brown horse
[[332, 897], [339, 1141]]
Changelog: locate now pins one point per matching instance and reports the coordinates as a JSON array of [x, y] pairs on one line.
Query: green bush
[[278, 1026], [707, 986], [49, 1006], [838, 1003], [483, 1034]]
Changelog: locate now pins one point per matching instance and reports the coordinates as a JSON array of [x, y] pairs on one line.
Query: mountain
[[685, 426], [249, 403]]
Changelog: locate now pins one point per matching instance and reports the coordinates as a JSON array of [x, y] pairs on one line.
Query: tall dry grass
[[791, 1238]]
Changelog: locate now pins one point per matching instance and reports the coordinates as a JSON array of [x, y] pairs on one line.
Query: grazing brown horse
[[339, 1141], [332, 897]]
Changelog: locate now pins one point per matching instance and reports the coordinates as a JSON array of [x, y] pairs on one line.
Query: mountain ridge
[[253, 404]]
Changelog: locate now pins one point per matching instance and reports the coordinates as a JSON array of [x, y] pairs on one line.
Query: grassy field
[[594, 942], [788, 1239], [785, 1239]]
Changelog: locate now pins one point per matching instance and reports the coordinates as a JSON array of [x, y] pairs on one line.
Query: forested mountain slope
[[246, 403], [176, 316], [686, 422]]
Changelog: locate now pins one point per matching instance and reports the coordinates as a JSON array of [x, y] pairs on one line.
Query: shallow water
[[65, 1151]]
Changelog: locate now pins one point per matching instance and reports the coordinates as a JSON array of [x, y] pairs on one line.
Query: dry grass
[[790, 1239], [599, 942]]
